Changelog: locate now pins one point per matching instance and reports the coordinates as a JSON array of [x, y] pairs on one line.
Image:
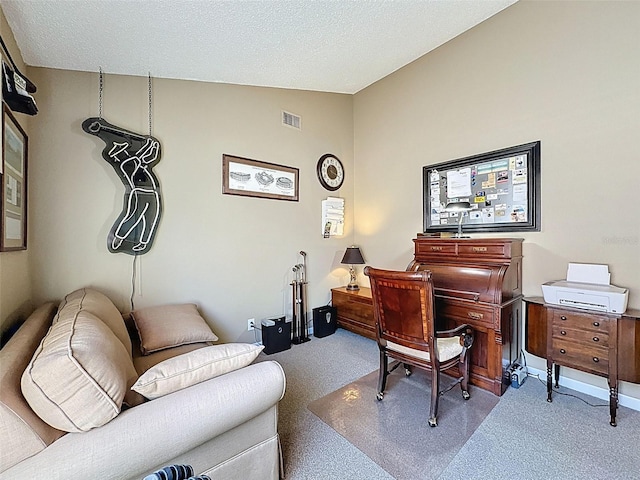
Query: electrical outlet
[[251, 324]]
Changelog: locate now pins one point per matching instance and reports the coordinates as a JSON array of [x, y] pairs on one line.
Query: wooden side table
[[355, 310], [607, 345]]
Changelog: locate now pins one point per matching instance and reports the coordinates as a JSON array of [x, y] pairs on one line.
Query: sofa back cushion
[[22, 432], [80, 373], [92, 301]]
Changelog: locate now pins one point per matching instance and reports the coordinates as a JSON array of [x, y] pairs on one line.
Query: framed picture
[[13, 170], [502, 188], [253, 178]]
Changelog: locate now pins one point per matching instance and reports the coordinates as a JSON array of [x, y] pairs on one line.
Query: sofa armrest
[[148, 435]]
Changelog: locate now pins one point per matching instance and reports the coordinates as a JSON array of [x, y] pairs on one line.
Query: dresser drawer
[[354, 308], [596, 338], [579, 321], [592, 359]]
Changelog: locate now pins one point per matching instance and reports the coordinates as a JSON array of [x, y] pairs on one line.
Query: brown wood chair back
[[404, 310]]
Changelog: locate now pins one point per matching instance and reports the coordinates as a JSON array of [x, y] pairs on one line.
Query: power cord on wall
[[133, 281], [556, 391]]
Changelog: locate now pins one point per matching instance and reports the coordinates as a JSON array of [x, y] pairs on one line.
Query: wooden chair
[[403, 305]]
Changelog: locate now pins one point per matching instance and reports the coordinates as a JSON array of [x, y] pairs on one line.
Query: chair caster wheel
[[466, 395], [433, 422], [407, 372], [379, 396]]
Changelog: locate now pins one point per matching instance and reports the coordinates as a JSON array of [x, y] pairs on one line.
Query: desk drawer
[[470, 312], [496, 250], [435, 248], [592, 359]]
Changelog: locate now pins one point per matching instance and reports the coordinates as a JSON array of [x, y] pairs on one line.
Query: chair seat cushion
[[448, 348]]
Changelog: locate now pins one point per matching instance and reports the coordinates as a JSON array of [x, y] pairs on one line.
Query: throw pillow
[[78, 376], [194, 367], [170, 326]]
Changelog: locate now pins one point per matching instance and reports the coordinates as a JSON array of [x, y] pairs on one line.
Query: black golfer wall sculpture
[[132, 156]]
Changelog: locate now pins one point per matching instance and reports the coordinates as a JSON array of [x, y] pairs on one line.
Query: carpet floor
[[394, 432], [522, 438]]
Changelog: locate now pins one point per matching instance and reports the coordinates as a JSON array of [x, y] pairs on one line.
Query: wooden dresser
[[355, 310], [607, 345], [479, 282]]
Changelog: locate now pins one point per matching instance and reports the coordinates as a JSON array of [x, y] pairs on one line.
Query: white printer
[[587, 286]]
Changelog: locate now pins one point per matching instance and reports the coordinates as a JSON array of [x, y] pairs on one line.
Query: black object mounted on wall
[[502, 189], [16, 87], [133, 157]]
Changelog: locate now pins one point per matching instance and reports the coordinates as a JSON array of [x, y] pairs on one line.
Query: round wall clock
[[330, 172]]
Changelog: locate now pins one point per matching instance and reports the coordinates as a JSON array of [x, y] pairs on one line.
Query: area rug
[[394, 432]]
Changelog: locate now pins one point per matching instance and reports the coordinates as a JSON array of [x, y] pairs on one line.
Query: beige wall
[[564, 73], [231, 255], [15, 279]]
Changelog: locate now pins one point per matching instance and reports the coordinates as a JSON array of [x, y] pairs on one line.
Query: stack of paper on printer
[[587, 286]]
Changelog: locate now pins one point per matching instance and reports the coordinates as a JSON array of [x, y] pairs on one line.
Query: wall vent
[[291, 120]]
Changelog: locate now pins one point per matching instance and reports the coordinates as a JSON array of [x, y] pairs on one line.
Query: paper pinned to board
[[588, 273], [332, 217]]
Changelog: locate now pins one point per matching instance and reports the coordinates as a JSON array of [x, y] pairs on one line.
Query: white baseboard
[[594, 391]]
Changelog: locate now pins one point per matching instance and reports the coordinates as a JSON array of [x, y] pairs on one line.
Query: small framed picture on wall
[[13, 171]]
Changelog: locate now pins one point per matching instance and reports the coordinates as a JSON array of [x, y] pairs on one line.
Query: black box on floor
[[276, 335], [325, 321]]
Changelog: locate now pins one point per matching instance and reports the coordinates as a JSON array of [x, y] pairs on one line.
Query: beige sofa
[[224, 426]]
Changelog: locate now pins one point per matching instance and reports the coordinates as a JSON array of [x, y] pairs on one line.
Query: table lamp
[[460, 208], [352, 257]]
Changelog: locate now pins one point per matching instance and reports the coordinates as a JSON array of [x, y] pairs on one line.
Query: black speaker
[[276, 335], [325, 321]]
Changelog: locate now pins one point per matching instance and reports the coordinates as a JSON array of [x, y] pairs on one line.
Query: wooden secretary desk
[[479, 282]]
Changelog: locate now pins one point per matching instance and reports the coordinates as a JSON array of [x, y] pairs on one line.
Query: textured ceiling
[[333, 46]]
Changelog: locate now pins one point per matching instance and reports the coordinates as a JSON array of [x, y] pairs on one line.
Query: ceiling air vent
[[291, 120]]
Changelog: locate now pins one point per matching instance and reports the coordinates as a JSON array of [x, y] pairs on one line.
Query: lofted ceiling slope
[[332, 46]]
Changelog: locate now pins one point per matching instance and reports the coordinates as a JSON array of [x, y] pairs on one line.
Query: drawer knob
[[562, 317], [596, 324], [596, 359], [563, 351], [562, 332], [596, 339]]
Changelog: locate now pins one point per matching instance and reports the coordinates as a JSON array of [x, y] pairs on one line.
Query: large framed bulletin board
[[503, 188]]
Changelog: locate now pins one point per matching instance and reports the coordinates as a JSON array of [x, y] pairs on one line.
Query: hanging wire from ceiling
[[135, 255]]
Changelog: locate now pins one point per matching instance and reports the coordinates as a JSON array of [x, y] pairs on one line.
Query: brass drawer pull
[[475, 315], [479, 249], [596, 339], [562, 332], [596, 359], [436, 249], [563, 351], [562, 317], [596, 324]]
